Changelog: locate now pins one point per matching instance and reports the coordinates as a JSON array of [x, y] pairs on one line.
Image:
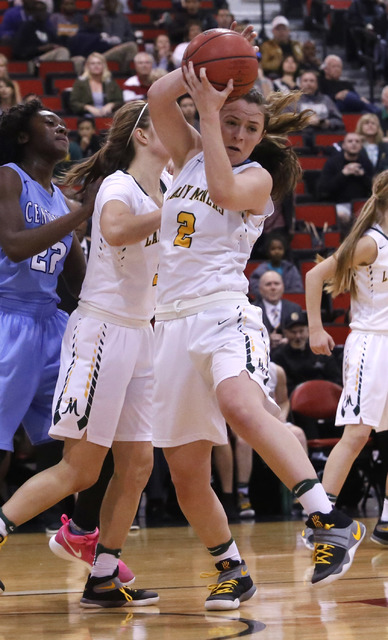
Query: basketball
[[225, 54]]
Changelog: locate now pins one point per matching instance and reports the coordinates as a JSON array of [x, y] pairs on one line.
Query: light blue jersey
[[35, 280], [31, 325]]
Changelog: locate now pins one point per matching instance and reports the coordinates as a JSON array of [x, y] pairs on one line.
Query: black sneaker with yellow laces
[[336, 538], [109, 592], [380, 533], [234, 585]]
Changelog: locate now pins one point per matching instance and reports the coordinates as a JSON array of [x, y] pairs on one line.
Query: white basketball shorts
[[365, 394], [104, 388], [193, 354]]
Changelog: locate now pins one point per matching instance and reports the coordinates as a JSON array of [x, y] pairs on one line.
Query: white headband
[[137, 122]]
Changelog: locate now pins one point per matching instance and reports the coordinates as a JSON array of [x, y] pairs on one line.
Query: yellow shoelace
[[127, 595], [222, 587], [322, 553]]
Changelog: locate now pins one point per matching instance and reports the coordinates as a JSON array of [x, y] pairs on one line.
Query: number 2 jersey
[[203, 248], [34, 280]]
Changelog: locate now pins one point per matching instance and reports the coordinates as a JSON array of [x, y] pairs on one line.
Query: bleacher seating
[[321, 214]]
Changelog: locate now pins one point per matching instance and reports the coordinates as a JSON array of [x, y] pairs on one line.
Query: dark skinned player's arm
[[19, 243]]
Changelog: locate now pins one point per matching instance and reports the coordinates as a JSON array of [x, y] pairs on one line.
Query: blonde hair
[[117, 151], [106, 74], [371, 213], [361, 121]]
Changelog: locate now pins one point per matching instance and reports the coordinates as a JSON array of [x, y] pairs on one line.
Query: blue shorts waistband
[[28, 308]]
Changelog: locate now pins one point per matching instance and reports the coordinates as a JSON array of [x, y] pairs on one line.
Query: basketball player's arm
[[179, 138], [365, 252], [74, 268], [248, 190], [320, 341], [19, 243], [120, 226]]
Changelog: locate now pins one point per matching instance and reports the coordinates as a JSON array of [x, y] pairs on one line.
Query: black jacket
[[335, 186]]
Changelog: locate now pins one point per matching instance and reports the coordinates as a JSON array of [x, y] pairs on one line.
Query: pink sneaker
[[69, 546]]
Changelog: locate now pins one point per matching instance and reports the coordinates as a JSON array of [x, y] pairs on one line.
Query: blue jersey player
[[36, 245]]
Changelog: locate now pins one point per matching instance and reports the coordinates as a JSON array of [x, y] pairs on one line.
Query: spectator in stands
[[224, 17], [340, 90], [176, 22], [384, 111], [117, 30], [87, 137], [162, 53], [13, 18], [7, 94], [66, 22], [282, 222], [368, 127], [326, 116], [275, 308], [288, 80], [346, 176], [275, 253], [281, 45], [4, 74], [35, 40], [93, 38], [310, 60], [194, 28], [297, 359], [189, 110], [136, 87], [95, 91], [364, 14]]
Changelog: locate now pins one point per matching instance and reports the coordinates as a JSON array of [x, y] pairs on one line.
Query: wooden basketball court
[[43, 592]]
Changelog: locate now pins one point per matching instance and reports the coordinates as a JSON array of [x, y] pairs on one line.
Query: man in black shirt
[[297, 359], [342, 91]]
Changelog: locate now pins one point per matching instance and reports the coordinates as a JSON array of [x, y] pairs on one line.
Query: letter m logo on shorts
[[71, 407]]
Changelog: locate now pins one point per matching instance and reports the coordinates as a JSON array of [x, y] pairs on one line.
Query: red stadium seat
[[319, 214]]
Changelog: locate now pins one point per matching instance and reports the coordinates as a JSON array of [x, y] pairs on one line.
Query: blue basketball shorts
[[29, 363]]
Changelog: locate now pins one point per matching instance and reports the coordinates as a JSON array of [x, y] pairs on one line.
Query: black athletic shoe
[[380, 533], [336, 538], [234, 585], [109, 592]]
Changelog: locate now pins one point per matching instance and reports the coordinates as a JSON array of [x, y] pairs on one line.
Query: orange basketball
[[224, 54]]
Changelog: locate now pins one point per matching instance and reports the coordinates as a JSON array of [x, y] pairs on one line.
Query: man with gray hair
[[340, 90]]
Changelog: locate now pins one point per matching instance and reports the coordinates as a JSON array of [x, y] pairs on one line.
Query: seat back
[[316, 399]]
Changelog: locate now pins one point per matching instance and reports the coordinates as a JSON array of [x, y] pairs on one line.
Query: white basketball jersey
[[369, 312], [122, 280], [203, 248]]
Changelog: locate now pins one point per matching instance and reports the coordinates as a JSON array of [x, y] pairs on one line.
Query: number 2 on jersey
[[186, 228]]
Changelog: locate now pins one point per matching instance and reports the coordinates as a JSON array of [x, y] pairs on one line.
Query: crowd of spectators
[[39, 30]]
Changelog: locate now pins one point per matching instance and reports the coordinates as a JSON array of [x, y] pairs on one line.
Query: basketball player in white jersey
[[360, 266], [103, 393], [212, 352]]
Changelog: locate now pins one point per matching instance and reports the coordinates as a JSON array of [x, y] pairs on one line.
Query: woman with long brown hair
[[103, 393], [212, 347]]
